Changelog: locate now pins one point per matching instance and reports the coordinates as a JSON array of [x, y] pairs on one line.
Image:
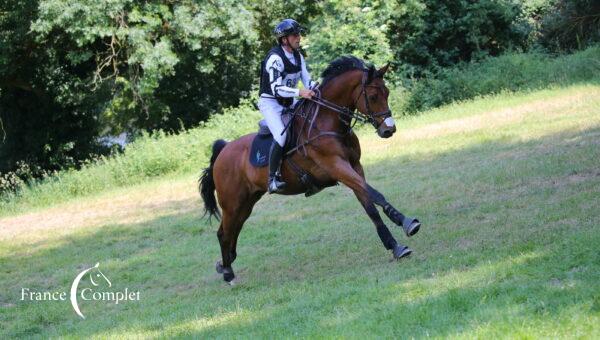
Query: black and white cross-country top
[[280, 72]]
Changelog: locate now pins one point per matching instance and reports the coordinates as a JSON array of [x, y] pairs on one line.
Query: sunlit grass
[[507, 187]]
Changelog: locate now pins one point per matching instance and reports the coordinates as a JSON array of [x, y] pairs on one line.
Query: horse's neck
[[339, 91]]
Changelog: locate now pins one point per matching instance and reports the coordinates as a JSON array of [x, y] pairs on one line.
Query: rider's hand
[[305, 93]]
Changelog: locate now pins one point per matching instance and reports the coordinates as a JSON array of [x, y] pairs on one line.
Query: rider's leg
[[271, 110]]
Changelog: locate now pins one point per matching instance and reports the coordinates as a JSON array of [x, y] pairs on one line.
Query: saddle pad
[[259, 151]]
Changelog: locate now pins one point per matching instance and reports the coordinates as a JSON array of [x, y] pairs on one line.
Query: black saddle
[[259, 151], [259, 154]]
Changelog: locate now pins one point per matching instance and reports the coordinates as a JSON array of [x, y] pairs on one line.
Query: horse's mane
[[342, 65]]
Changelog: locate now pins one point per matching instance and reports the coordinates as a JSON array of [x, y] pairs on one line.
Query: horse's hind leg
[[234, 216]]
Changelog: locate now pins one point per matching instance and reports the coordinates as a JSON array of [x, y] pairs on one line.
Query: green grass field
[[507, 188]]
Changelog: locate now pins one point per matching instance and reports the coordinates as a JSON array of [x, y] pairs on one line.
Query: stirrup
[[275, 185]]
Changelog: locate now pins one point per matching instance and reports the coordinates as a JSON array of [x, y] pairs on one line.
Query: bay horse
[[327, 151]]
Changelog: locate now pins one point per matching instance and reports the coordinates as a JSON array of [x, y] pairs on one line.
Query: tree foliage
[[349, 27], [570, 25], [429, 34], [71, 71]]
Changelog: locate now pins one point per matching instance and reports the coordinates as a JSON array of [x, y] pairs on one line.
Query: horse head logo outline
[[97, 273]]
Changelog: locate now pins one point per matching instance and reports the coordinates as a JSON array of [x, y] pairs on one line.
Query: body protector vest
[[290, 75]]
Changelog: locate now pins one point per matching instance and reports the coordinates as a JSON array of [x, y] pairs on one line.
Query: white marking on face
[[389, 121]]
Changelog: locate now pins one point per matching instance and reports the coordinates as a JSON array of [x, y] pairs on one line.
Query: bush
[[426, 35], [571, 25], [149, 156], [510, 72]]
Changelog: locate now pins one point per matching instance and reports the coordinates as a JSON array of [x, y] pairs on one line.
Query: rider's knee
[[280, 139]]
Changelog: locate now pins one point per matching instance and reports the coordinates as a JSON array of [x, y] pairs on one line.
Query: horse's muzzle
[[386, 131]]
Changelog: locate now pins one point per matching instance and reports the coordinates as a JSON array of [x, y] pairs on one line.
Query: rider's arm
[[308, 83], [275, 67]]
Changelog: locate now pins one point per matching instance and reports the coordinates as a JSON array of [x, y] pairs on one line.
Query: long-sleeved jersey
[[280, 74]]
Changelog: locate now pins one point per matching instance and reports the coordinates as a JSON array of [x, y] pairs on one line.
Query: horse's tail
[[207, 183]]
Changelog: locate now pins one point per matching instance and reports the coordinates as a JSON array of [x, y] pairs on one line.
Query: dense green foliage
[[151, 155], [510, 72], [159, 154], [72, 71], [570, 25], [430, 34], [349, 27], [48, 114]]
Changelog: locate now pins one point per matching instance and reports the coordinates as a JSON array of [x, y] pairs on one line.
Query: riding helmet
[[287, 27]]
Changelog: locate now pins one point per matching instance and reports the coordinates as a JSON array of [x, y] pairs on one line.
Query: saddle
[[259, 152]]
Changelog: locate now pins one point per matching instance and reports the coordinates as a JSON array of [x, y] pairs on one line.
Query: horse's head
[[96, 276], [372, 101]]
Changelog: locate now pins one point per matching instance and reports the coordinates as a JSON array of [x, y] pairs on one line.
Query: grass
[[507, 187]]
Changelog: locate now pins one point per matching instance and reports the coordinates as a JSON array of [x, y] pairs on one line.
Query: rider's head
[[288, 33]]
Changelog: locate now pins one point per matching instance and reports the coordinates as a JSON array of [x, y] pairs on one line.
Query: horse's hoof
[[219, 267], [401, 251], [228, 275], [411, 226]]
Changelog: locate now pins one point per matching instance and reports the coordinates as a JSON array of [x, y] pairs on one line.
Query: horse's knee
[[376, 196]]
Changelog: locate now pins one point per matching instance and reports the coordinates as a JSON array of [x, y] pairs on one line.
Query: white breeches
[[272, 110]]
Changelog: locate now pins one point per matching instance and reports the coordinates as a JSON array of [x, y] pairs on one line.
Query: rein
[[345, 114]]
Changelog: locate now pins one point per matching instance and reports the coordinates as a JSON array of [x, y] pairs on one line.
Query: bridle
[[347, 115], [370, 116]]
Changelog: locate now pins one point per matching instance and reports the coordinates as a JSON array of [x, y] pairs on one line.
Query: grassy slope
[[507, 188]]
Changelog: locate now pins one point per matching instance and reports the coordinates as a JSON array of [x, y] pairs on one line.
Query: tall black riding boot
[[275, 184]]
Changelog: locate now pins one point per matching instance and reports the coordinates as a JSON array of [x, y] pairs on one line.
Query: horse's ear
[[371, 74], [381, 72]]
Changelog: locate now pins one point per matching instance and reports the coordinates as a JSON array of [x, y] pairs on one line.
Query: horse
[[327, 152]]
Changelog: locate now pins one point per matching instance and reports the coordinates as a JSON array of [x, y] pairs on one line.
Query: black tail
[[207, 183]]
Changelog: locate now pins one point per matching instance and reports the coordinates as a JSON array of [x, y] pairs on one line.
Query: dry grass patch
[[121, 207]]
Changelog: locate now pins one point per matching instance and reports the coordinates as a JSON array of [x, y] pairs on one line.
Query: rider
[[281, 69]]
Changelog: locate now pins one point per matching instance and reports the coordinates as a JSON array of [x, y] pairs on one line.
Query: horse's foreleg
[[410, 225], [343, 172]]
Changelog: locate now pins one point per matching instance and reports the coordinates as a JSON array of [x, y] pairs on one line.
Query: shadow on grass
[[508, 233]]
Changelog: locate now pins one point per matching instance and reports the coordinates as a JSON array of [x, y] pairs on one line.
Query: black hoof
[[411, 226], [228, 275], [219, 267], [401, 251]]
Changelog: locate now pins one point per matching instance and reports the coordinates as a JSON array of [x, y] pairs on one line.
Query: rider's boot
[[275, 184]]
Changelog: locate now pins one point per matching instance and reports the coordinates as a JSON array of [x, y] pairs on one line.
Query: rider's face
[[293, 40]]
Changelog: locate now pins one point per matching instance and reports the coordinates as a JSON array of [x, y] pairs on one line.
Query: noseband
[[370, 116]]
